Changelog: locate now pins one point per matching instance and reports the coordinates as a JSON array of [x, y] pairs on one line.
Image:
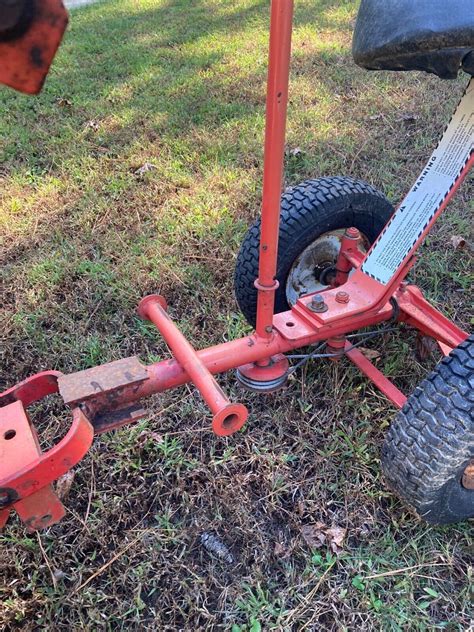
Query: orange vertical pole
[[277, 101]]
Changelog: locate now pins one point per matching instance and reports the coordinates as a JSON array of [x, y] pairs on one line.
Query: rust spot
[[106, 381], [29, 483], [468, 476], [36, 56]]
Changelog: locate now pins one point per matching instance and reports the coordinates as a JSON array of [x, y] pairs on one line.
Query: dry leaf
[[425, 346], [148, 435], [279, 549], [457, 242], [370, 354], [335, 537], [64, 103], [93, 125], [313, 534], [296, 151], [64, 484], [145, 168], [58, 574]]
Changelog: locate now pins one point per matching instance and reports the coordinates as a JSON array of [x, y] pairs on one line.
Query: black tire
[[308, 210], [431, 441]]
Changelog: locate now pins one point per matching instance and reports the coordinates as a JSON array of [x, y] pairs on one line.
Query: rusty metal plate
[[112, 419], [100, 381]]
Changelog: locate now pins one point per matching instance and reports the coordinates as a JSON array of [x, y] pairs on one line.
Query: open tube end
[[229, 419], [143, 305]]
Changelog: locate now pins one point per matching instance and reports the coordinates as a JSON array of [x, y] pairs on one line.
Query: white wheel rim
[[305, 273]]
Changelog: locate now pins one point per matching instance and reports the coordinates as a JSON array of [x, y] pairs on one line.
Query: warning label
[[426, 196]]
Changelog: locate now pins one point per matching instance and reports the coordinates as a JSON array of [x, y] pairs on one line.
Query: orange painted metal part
[[18, 442], [228, 417], [387, 387], [277, 100], [55, 462], [106, 397], [377, 293], [167, 374], [345, 260], [26, 473], [274, 368], [32, 389], [29, 46], [418, 313]]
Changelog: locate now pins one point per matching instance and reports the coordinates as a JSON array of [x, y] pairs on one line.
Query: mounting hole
[[46, 518], [9, 434], [290, 324]]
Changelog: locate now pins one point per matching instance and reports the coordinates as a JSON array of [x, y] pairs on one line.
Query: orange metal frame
[[107, 396]]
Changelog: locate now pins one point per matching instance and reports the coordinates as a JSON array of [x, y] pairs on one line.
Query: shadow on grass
[[170, 67]]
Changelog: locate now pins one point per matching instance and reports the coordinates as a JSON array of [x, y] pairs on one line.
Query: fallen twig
[[403, 570], [45, 557]]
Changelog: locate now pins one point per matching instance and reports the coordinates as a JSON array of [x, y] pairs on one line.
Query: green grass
[[181, 85]]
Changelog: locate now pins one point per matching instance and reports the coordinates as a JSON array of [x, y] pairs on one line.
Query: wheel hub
[[313, 270]]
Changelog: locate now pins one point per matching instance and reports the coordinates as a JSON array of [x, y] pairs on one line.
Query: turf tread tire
[[307, 211], [431, 441]]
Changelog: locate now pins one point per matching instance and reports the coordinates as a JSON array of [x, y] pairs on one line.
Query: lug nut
[[317, 304], [342, 297]]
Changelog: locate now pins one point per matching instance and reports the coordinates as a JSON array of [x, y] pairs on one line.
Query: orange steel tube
[[228, 417], [277, 101], [168, 374]]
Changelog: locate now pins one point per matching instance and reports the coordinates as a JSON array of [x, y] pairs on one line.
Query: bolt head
[[317, 304]]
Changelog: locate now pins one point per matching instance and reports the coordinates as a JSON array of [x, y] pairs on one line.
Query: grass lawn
[[180, 84]]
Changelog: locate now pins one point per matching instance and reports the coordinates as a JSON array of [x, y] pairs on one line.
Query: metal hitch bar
[[228, 417]]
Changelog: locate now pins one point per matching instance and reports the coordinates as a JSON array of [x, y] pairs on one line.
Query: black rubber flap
[[436, 36]]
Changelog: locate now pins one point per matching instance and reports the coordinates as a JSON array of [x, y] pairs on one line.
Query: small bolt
[[352, 233], [269, 329], [317, 304], [342, 297]]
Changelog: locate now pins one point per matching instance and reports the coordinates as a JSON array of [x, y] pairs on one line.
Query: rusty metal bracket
[[99, 391]]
